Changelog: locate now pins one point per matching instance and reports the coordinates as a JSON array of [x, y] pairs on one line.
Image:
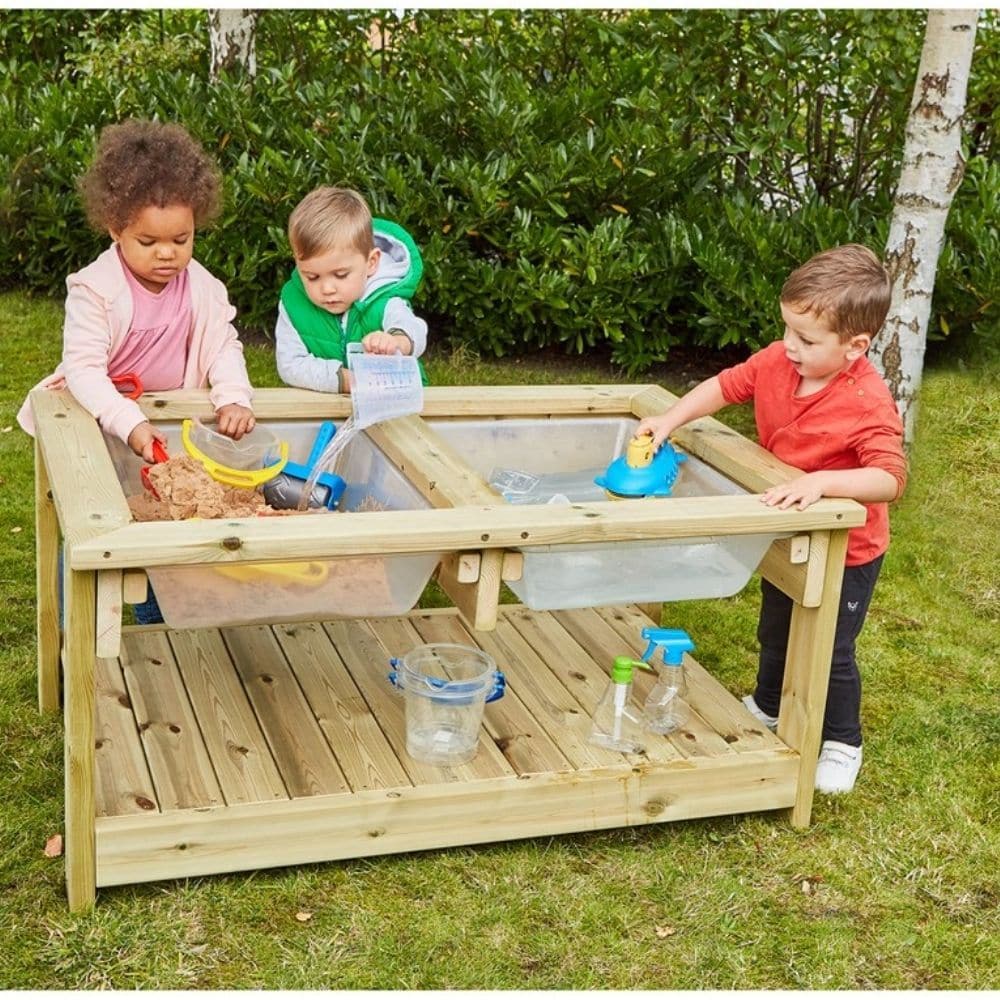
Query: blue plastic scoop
[[284, 491]]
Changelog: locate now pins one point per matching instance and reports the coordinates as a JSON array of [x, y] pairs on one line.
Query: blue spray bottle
[[666, 708]]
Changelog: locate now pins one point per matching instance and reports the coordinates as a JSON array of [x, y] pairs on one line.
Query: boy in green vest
[[353, 280]]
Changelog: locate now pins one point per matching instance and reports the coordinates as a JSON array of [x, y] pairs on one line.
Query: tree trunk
[[232, 32], [931, 172]]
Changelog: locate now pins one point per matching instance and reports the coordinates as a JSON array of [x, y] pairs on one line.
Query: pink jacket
[[98, 316]]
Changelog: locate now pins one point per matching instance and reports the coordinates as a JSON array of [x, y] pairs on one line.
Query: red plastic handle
[[128, 384], [159, 455]]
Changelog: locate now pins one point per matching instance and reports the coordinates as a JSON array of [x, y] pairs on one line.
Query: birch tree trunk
[[232, 33], [931, 172]]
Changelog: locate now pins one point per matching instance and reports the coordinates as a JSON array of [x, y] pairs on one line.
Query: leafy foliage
[[622, 181]]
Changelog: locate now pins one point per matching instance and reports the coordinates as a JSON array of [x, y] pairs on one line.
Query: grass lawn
[[893, 887]]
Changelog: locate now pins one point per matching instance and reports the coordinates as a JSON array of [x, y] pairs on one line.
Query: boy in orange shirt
[[820, 406]]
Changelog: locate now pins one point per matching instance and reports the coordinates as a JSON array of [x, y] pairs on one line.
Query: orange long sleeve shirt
[[850, 423]]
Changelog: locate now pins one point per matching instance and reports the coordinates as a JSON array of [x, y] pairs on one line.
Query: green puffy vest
[[325, 334]]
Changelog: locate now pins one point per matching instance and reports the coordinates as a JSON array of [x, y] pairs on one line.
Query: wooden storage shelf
[[207, 739]]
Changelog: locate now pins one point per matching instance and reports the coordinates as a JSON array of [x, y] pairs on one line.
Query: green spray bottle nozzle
[[673, 642], [621, 670]]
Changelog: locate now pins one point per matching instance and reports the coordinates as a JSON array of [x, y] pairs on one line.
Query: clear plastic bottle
[[666, 709], [617, 721]]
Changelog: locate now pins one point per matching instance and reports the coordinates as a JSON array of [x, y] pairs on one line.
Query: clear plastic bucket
[[385, 386], [445, 687]]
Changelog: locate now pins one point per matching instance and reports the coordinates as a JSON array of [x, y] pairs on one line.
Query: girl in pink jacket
[[145, 307]]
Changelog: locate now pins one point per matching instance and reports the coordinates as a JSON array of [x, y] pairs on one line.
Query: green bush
[[596, 180]]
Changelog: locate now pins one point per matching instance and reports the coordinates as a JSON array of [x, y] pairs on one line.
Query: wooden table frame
[[78, 497]]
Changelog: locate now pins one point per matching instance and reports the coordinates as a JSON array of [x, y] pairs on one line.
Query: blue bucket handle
[[497, 691]]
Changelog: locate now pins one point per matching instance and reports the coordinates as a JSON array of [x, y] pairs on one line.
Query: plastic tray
[[247, 593], [565, 452]]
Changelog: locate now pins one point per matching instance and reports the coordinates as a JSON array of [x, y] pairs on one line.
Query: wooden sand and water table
[[191, 751]]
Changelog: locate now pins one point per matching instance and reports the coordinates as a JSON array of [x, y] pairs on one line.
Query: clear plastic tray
[[564, 453], [248, 593]]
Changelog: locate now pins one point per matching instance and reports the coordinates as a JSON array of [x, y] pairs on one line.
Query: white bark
[[232, 35], [931, 172]]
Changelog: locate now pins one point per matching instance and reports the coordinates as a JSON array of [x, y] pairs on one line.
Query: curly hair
[[142, 163]]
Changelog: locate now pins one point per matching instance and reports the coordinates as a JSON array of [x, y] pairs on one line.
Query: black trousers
[[842, 720]]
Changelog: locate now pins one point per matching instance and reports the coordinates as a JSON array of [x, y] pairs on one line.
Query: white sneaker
[[838, 767], [759, 714]]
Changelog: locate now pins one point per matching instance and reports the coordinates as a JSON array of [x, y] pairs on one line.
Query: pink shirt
[[156, 345], [99, 312]]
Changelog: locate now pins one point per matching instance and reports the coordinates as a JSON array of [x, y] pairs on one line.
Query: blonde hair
[[847, 286], [329, 218]]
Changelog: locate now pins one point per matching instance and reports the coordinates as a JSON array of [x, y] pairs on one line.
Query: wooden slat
[[326, 828], [353, 733], [477, 601], [84, 485], [399, 636], [553, 707], [696, 738], [721, 710], [465, 528], [512, 727], [653, 611], [78, 757], [816, 566], [243, 764], [135, 586], [807, 673], [46, 587], [801, 580], [584, 665], [109, 612], [178, 760], [366, 658], [123, 781], [777, 568], [439, 401], [442, 475], [297, 744]]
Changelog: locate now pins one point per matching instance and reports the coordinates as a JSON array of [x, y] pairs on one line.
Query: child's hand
[[380, 342], [234, 420], [800, 493], [141, 441], [660, 427]]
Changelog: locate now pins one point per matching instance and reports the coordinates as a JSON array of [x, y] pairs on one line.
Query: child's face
[[335, 280], [157, 244], [816, 352]]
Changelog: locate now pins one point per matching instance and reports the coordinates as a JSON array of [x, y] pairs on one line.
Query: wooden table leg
[[653, 611], [477, 601], [46, 588], [807, 673], [78, 709]]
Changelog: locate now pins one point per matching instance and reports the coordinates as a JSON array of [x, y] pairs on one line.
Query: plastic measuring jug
[[445, 686], [385, 386]]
